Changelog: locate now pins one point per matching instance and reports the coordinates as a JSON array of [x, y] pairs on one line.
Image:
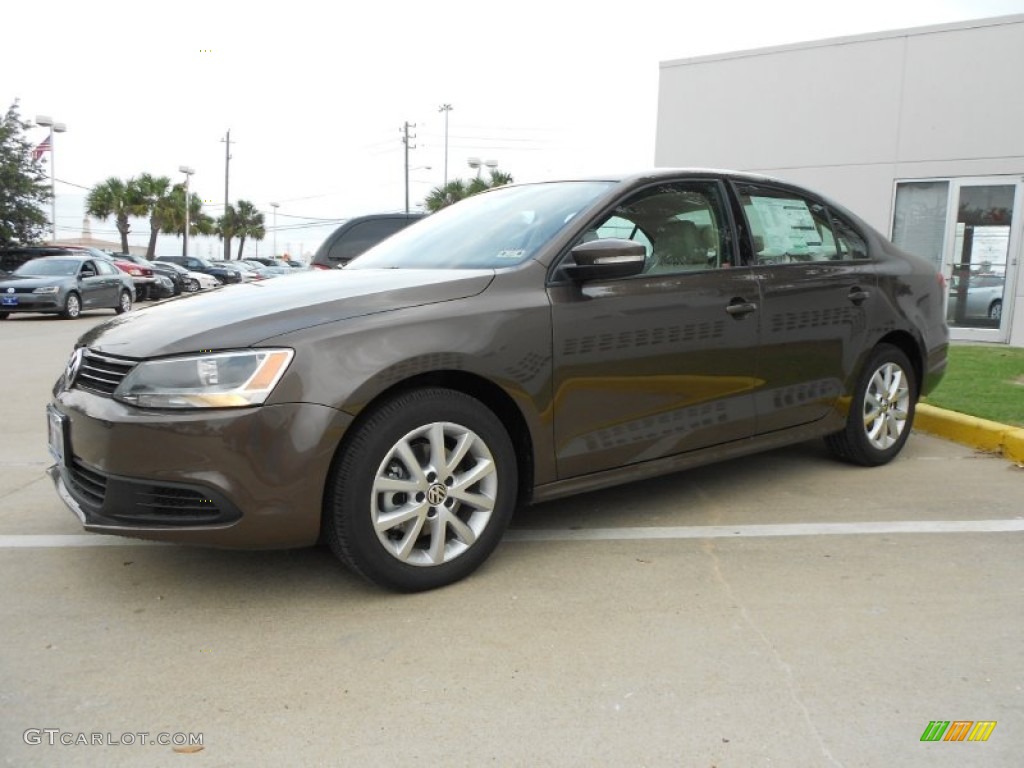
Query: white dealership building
[[919, 131]]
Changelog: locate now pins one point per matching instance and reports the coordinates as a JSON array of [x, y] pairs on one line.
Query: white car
[[199, 281]]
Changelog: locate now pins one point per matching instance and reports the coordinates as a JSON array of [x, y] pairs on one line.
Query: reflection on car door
[[817, 286], [656, 365]]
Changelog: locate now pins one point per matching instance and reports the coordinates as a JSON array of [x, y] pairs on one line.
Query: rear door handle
[[739, 307], [858, 295]]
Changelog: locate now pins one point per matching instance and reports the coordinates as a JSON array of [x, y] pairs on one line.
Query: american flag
[[43, 148]]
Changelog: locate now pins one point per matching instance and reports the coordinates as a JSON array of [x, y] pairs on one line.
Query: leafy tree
[[458, 189], [155, 194], [23, 187], [117, 198], [249, 224]]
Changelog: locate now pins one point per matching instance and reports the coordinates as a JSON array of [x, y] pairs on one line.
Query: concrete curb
[[970, 430]]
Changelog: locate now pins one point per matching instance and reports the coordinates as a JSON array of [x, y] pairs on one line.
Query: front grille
[[87, 485], [121, 501], [168, 504], [102, 373]]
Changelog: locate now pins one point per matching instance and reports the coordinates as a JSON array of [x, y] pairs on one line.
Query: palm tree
[[458, 189], [249, 223], [172, 215], [120, 199], [227, 227], [155, 192]]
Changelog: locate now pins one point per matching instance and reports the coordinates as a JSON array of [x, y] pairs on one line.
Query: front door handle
[[857, 295], [740, 307]]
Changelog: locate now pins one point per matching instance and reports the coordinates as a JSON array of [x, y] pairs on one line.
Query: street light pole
[[227, 200], [446, 108], [188, 171], [275, 206], [47, 122]]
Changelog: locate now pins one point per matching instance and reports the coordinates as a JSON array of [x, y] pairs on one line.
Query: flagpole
[[47, 122]]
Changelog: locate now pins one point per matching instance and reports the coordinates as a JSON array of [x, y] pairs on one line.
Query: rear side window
[[362, 236], [786, 227]]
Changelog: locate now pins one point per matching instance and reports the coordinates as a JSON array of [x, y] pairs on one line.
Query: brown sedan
[[531, 342]]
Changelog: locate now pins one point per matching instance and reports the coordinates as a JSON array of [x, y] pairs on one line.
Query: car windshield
[[501, 228], [48, 266]]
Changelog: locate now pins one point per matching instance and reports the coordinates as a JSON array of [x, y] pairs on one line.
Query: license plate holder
[[9, 301]]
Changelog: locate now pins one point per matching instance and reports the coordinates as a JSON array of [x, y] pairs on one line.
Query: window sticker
[[786, 224]]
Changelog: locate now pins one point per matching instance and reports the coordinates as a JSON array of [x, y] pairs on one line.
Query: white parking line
[[1015, 525], [758, 531]]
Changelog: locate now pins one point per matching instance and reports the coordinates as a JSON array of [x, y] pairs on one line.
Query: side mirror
[[605, 260]]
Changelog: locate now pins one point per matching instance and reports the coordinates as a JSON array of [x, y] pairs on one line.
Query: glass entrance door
[[980, 264]]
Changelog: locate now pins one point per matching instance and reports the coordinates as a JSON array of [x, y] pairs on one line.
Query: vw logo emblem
[[72, 368], [436, 494], [10, 290]]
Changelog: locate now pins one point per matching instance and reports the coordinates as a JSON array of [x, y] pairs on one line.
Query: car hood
[[30, 281], [246, 314]]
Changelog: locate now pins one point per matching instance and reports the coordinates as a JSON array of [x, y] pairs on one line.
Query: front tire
[[124, 303], [191, 285], [881, 410], [995, 311], [72, 307], [422, 491]]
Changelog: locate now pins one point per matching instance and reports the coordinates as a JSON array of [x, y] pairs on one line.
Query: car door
[[109, 284], [92, 285], [663, 362], [817, 288]]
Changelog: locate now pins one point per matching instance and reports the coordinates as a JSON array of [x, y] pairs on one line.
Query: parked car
[[984, 298], [244, 274], [527, 343], [170, 271], [66, 284], [142, 277], [196, 264], [200, 281], [268, 270], [13, 256], [358, 235]]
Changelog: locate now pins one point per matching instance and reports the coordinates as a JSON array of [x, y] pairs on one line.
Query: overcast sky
[[315, 93]]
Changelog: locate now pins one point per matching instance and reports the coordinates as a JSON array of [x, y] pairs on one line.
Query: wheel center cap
[[436, 494]]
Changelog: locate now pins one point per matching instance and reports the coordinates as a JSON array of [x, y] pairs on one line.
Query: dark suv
[[13, 256], [194, 263], [358, 235]]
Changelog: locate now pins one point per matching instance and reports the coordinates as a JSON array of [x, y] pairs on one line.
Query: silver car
[[66, 285]]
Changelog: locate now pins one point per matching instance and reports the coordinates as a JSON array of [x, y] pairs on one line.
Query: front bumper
[[36, 302], [250, 478]]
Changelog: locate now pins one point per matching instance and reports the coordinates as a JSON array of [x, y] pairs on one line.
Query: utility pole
[[446, 108], [405, 141], [227, 175]]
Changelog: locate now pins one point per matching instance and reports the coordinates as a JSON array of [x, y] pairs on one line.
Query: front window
[[501, 228]]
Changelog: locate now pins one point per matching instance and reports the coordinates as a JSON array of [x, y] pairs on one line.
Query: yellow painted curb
[[972, 431]]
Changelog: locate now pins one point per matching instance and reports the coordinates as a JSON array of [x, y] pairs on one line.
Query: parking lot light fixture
[[188, 171]]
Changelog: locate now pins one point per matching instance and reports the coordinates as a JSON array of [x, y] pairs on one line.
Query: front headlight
[[49, 289], [217, 380]]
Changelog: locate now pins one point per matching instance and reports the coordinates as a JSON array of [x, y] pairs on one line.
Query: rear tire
[[995, 311], [72, 307], [124, 303], [422, 491], [191, 285], [881, 410]]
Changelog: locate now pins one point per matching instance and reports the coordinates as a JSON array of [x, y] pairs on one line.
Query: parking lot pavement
[[666, 623]]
